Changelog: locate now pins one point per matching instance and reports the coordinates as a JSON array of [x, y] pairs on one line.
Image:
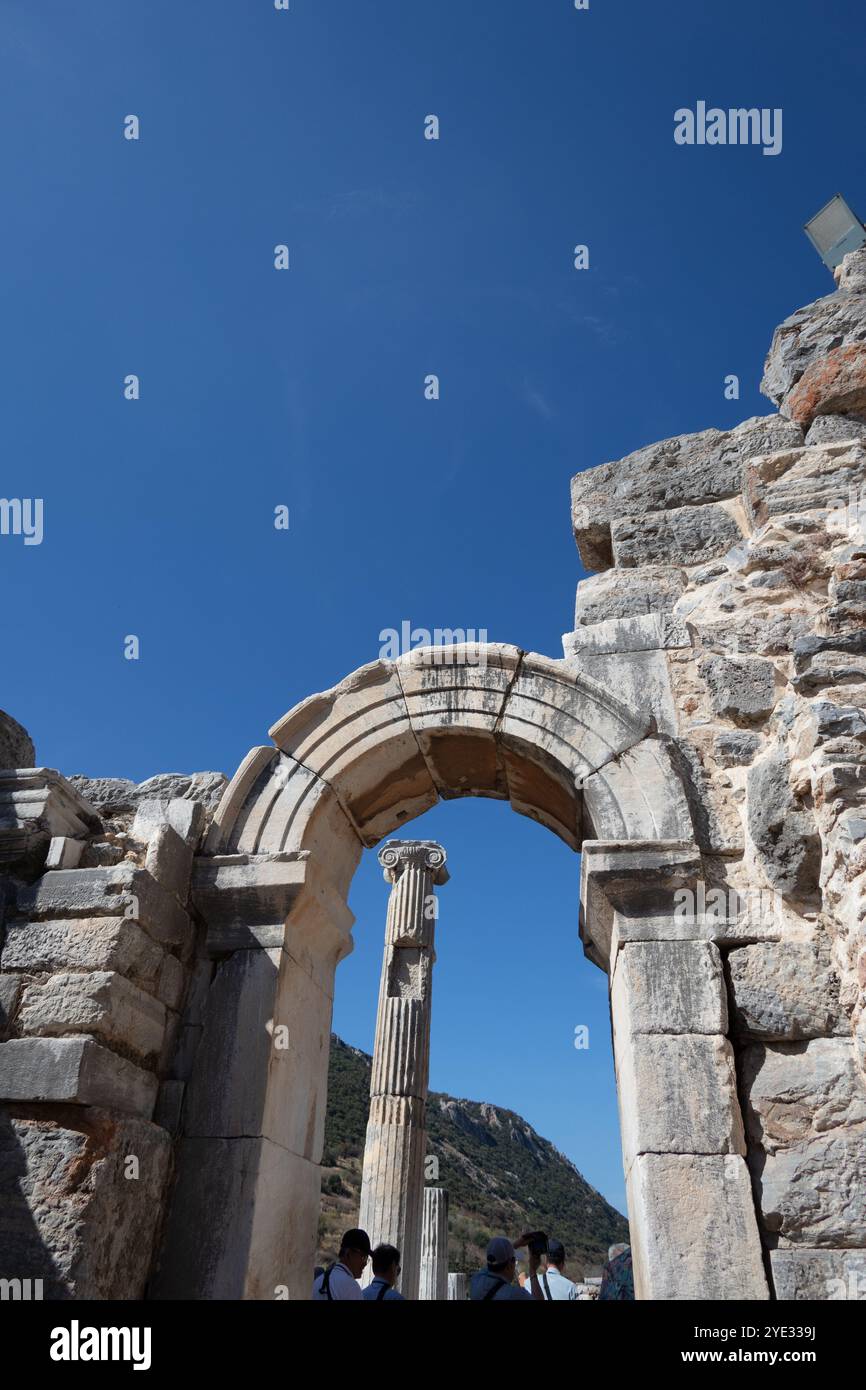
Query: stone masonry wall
[[97, 953], [731, 593]]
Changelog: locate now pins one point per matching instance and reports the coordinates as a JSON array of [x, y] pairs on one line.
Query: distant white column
[[457, 1288], [393, 1179], [434, 1245]]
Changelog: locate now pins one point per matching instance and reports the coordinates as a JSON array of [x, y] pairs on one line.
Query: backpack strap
[[382, 1292], [326, 1283], [546, 1287]]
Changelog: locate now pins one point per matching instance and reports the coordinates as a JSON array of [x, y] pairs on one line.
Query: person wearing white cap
[[496, 1282]]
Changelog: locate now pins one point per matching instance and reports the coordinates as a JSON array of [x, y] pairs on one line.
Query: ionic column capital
[[396, 856]]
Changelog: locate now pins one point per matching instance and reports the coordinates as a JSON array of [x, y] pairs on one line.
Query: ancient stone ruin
[[169, 949]]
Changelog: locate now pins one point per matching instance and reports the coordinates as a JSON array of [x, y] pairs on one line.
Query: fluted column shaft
[[393, 1179], [434, 1245]]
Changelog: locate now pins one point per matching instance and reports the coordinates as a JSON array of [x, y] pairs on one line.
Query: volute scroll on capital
[[397, 855]]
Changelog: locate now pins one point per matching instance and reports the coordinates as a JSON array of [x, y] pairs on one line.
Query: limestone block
[[16, 745], [115, 796], [785, 838], [185, 816], [815, 479], [74, 1070], [617, 595], [37, 804], [640, 679], [693, 1228], [669, 987], [784, 991], [645, 632], [817, 343], [63, 853], [261, 1064], [102, 1003], [830, 429], [684, 536], [169, 860], [10, 988], [72, 1216], [227, 1088], [677, 1095], [105, 892], [242, 1222], [819, 1275], [169, 1104], [805, 1110], [171, 983], [742, 689], [736, 747], [688, 469], [83, 943], [839, 659]]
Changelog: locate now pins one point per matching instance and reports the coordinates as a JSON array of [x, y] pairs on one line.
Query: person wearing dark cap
[[554, 1285], [495, 1284], [339, 1282], [386, 1267]]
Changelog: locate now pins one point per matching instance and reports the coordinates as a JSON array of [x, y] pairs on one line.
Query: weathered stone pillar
[[456, 1288], [252, 1059], [434, 1245], [694, 1231], [393, 1181]]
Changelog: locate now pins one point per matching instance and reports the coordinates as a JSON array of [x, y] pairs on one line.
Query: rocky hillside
[[501, 1176]]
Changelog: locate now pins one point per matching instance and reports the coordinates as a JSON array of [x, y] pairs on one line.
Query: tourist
[[617, 1280], [555, 1287], [386, 1267], [339, 1281], [496, 1282]]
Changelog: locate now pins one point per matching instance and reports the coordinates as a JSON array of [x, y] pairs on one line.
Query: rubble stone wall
[[731, 591]]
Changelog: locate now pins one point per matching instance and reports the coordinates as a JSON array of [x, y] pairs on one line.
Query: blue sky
[[305, 388]]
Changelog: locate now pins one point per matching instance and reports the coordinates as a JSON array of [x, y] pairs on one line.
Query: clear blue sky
[[306, 388]]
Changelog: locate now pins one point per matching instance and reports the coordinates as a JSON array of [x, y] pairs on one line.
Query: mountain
[[502, 1177]]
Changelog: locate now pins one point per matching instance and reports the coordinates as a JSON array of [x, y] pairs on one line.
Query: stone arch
[[357, 762], [346, 768]]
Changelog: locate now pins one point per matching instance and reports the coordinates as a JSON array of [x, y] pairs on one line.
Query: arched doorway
[[349, 767]]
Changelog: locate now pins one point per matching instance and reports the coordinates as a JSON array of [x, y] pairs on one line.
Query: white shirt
[[343, 1285], [561, 1289]]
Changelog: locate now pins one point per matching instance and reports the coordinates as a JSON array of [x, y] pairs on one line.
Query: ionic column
[[434, 1245], [393, 1180]]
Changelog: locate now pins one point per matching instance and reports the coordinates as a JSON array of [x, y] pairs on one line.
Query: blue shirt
[[483, 1281], [372, 1291]]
